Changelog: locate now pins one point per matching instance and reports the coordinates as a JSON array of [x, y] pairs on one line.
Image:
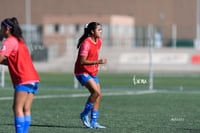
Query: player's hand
[[102, 61]]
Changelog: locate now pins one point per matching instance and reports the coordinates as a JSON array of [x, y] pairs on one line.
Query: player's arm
[[3, 60], [84, 61]]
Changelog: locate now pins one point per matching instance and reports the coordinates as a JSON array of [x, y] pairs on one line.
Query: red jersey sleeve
[[84, 48], [9, 46]]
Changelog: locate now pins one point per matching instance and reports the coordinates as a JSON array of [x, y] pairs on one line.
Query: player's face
[[98, 31]]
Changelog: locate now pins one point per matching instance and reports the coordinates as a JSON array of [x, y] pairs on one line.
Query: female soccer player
[[25, 79], [86, 68]]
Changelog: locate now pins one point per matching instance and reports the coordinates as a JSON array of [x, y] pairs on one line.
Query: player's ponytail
[[87, 32], [84, 36], [13, 25]]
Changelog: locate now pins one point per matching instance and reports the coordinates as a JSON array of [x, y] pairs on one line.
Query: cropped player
[[25, 79], [86, 68]]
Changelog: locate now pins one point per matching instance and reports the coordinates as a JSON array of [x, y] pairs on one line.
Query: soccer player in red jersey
[[86, 68], [25, 79]]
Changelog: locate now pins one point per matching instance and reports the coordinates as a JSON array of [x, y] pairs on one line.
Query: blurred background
[[139, 36], [151, 46]]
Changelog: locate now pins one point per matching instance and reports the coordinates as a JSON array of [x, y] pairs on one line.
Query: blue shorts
[[31, 88], [83, 78]]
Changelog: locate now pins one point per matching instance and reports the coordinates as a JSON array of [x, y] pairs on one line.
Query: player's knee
[[17, 111], [26, 110], [97, 95]]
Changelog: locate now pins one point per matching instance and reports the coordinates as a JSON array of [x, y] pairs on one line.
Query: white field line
[[85, 95]]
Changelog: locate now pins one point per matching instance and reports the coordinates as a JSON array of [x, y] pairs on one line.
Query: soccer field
[[123, 109]]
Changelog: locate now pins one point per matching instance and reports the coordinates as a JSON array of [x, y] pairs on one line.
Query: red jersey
[[91, 51], [19, 61]]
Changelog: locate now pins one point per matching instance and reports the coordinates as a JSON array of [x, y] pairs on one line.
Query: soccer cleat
[[85, 120], [97, 125]]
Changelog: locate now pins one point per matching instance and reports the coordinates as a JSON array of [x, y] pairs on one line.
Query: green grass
[[171, 81], [167, 112], [161, 112]]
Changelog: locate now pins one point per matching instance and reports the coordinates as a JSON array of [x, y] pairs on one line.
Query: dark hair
[[87, 31], [13, 25], [1, 36]]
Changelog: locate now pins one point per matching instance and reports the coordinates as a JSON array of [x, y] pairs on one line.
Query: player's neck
[[93, 39]]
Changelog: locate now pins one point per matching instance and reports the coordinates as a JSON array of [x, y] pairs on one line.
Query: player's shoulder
[[86, 41], [11, 40]]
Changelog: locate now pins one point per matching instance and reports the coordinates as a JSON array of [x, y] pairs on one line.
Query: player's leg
[[95, 92], [98, 91], [27, 112], [95, 110], [22, 103], [18, 105], [91, 85]]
